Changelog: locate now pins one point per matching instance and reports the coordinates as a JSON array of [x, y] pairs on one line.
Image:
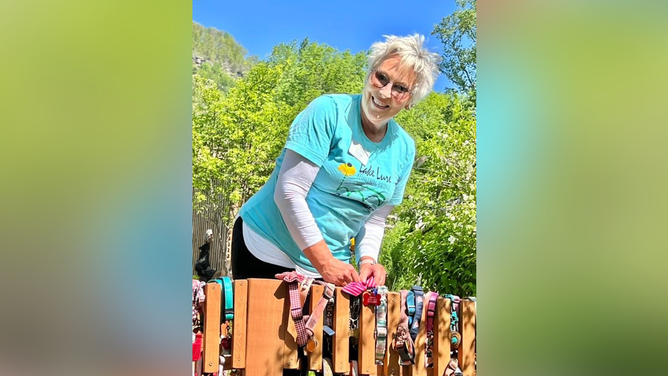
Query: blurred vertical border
[[572, 187], [95, 229]]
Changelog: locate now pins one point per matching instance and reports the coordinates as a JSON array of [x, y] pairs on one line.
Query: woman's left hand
[[376, 270]]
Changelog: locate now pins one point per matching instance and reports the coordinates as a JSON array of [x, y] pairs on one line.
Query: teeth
[[379, 103]]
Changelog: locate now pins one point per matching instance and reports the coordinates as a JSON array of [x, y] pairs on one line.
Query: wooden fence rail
[[264, 335]]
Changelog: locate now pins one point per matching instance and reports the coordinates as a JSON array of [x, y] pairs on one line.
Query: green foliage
[[219, 48], [457, 32], [216, 73], [312, 69], [237, 136], [240, 127], [218, 57], [434, 239]]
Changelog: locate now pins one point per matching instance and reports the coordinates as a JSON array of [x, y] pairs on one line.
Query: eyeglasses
[[380, 80]]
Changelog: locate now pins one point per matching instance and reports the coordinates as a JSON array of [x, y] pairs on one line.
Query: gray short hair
[[413, 55]]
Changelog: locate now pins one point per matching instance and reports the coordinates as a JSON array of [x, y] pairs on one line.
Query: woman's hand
[[376, 270], [338, 272], [331, 269]]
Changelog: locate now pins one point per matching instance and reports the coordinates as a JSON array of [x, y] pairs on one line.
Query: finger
[[364, 273], [354, 275], [381, 279], [377, 278], [382, 275]]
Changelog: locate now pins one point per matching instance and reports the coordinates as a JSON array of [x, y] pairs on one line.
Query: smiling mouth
[[379, 104]]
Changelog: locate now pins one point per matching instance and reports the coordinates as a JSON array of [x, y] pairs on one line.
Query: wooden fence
[[219, 250], [264, 335], [211, 215]]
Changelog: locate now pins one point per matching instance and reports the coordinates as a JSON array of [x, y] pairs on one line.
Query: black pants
[[245, 265]]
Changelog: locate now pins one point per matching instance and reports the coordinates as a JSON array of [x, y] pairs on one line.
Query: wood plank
[[290, 347], [467, 347], [239, 325], [211, 336], [340, 349], [420, 343], [264, 339], [315, 357], [367, 344], [391, 365], [442, 336]]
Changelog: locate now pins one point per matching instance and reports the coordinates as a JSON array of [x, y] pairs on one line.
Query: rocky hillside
[[217, 56]]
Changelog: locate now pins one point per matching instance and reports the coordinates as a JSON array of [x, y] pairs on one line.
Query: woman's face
[[387, 91]]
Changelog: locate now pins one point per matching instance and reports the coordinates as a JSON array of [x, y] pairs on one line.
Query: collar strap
[[227, 303], [415, 327], [403, 343], [410, 305], [198, 299], [455, 300], [229, 298], [455, 337], [381, 325], [296, 308], [291, 277], [327, 295], [357, 288], [305, 288], [429, 326]]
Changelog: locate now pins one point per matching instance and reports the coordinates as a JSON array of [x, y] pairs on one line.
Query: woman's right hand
[[331, 269], [338, 272]]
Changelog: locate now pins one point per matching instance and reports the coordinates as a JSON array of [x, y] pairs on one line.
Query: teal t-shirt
[[345, 191]]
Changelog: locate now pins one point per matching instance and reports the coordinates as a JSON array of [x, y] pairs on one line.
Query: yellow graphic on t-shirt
[[347, 169]]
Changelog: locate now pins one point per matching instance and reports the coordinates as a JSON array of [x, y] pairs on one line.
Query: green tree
[[218, 57], [457, 32], [216, 73], [238, 135], [312, 69], [219, 47], [433, 238]]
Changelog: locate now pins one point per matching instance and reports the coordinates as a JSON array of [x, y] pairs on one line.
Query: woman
[[343, 169]]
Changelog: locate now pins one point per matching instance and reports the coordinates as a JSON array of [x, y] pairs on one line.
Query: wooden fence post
[[421, 342], [467, 347], [391, 365], [315, 357], [239, 324], [264, 337], [341, 332], [442, 336], [367, 346], [211, 334]]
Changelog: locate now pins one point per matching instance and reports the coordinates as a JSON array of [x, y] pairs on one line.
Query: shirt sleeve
[[312, 130], [294, 181], [371, 235]]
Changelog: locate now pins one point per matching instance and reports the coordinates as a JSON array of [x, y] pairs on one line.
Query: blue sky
[[344, 25]]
